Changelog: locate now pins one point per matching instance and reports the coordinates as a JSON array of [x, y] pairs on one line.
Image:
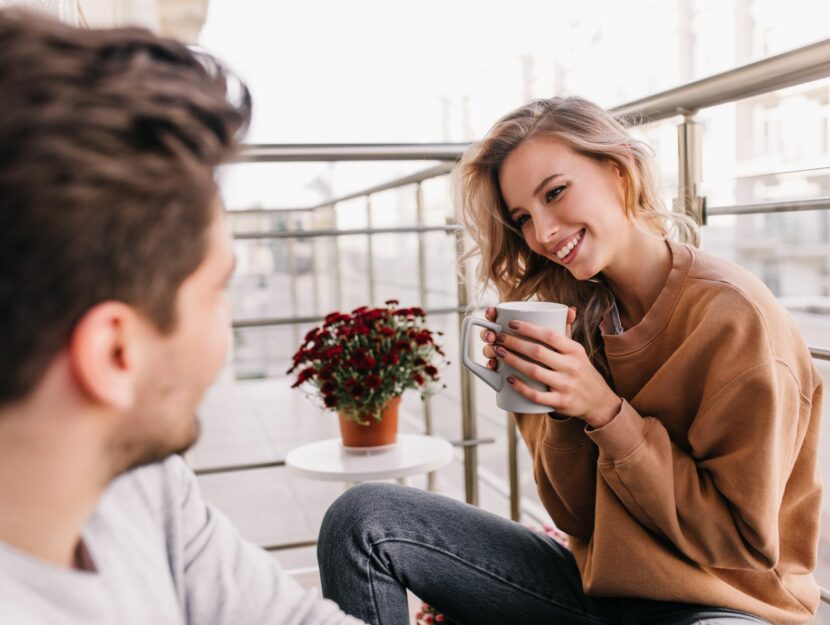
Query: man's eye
[[551, 195]]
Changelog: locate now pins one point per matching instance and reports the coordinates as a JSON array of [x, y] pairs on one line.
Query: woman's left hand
[[576, 388]]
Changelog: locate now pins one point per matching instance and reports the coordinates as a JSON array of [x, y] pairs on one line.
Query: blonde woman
[[680, 453]]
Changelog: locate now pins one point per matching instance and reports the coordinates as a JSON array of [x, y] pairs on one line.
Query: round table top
[[413, 454]]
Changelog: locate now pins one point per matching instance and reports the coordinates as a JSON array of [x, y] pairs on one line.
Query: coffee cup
[[545, 314]]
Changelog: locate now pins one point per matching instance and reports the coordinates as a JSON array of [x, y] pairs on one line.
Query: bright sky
[[331, 71], [369, 70]]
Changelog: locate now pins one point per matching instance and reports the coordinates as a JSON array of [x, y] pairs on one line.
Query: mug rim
[[530, 306]]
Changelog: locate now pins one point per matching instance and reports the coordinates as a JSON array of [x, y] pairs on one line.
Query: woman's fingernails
[[491, 337], [511, 379], [514, 325], [500, 351], [500, 337]]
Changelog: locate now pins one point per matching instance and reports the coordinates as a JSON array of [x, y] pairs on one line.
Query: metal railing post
[[513, 468], [315, 282], [338, 284], [422, 302], [370, 256], [292, 269], [468, 409], [689, 170]]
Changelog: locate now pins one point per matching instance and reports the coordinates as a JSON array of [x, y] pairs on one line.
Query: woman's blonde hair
[[507, 262]]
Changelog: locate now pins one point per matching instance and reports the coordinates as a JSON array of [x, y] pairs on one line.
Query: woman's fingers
[[546, 398], [570, 321], [540, 352], [488, 336], [532, 370], [556, 340]]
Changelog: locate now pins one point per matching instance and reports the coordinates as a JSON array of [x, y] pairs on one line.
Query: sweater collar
[[658, 315]]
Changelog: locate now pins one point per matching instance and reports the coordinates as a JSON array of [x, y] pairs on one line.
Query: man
[[115, 318]]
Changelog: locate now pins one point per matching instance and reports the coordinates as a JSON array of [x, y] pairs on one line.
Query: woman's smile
[[567, 249]]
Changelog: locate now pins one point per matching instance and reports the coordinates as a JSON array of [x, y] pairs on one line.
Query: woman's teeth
[[566, 249]]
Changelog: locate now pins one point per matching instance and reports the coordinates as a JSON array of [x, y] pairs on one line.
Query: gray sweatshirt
[[161, 556]]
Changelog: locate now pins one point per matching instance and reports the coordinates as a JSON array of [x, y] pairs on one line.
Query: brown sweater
[[704, 488]]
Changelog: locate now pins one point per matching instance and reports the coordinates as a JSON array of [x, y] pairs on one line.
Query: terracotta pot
[[376, 433]]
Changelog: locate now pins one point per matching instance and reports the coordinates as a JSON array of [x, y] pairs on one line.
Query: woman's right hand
[[489, 337]]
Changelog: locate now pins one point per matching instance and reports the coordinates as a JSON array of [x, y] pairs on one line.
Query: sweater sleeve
[[717, 502], [228, 581], [566, 470]]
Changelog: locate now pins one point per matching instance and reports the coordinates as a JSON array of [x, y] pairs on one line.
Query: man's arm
[[225, 580]]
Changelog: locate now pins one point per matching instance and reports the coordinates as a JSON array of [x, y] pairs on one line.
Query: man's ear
[[105, 353]]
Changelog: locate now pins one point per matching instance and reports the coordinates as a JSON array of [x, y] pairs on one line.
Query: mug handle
[[492, 378]]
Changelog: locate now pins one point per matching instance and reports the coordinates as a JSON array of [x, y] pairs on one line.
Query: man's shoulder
[[10, 613], [157, 480], [150, 496]]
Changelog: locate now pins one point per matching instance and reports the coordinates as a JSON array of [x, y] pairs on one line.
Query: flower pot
[[375, 433]]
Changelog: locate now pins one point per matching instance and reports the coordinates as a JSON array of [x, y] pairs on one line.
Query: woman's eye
[[522, 220], [551, 195]]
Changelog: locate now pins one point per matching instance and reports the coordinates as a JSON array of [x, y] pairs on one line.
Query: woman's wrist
[[604, 414]]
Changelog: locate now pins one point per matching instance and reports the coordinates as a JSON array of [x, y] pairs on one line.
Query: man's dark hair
[[108, 144]]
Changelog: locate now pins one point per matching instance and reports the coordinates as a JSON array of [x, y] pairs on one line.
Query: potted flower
[[359, 364]]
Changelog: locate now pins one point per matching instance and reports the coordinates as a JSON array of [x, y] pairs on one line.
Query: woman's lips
[[572, 254]]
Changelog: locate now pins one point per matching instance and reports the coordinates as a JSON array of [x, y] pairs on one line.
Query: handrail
[[775, 206], [276, 464], [284, 321], [271, 153], [419, 176], [820, 353], [811, 62], [267, 211], [786, 206], [334, 232], [802, 65]]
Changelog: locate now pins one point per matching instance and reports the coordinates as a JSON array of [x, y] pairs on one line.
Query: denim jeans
[[377, 540]]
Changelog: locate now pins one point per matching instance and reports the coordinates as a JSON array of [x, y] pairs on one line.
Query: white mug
[[545, 314]]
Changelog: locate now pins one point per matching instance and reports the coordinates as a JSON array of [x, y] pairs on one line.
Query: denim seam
[[486, 572], [372, 583]]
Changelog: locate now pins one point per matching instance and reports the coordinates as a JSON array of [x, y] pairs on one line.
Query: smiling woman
[[680, 450], [522, 213]]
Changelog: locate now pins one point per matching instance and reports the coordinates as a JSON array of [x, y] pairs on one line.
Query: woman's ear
[[104, 354]]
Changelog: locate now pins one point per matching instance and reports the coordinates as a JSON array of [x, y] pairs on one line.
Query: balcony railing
[[792, 68]]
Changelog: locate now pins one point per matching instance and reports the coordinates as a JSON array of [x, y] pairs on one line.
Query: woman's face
[[569, 208]]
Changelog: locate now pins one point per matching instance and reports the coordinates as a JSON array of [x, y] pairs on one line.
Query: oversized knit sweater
[[704, 488]]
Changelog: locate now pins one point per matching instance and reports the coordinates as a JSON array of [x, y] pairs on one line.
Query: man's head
[[112, 252]]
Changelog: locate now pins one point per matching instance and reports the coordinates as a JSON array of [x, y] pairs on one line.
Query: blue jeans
[[475, 567]]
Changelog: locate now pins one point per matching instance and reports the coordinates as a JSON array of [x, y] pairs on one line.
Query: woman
[[680, 453]]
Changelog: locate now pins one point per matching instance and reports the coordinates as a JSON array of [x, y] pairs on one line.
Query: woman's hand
[[576, 388]]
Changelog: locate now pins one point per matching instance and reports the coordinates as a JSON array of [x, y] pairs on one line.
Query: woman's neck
[[638, 275]]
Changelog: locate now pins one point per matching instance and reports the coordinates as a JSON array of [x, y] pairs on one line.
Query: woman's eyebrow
[[536, 191]]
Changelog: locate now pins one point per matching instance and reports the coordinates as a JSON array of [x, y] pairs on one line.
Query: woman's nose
[[546, 228]]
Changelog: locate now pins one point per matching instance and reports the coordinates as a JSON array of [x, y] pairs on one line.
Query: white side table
[[327, 460]]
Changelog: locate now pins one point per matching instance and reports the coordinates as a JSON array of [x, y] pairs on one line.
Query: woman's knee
[[361, 507]]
